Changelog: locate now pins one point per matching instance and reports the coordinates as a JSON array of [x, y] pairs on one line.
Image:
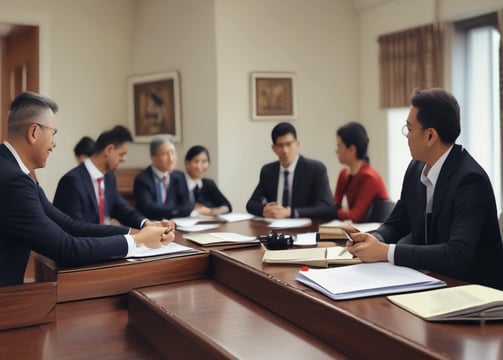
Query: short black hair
[[353, 133], [196, 150], [117, 136], [439, 110], [282, 129], [85, 146]]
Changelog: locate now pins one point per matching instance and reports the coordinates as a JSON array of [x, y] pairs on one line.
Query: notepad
[[465, 302], [366, 279], [319, 257], [220, 238]]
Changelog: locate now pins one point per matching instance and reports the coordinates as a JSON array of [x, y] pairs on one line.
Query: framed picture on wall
[[273, 96], [154, 106]]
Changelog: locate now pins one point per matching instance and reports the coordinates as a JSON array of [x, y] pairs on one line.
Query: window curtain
[[408, 60]]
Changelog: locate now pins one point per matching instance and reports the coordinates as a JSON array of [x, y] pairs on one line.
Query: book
[[319, 256], [334, 229], [220, 238], [458, 303], [366, 279]]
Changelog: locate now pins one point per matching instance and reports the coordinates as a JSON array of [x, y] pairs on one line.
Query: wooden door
[[20, 67]]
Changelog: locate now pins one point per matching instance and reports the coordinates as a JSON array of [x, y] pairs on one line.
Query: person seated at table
[[83, 149], [89, 191], [27, 218], [447, 203], [358, 184], [203, 192], [294, 186], [160, 190]]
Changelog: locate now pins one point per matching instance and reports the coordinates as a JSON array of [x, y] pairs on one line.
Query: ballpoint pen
[[345, 249]]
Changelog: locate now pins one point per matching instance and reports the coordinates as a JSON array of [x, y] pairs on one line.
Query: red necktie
[[101, 200]]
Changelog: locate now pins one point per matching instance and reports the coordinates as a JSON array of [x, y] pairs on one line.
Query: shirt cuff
[[143, 222], [131, 245], [391, 253]]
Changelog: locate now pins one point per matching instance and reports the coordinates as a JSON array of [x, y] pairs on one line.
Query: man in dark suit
[[294, 186], [28, 221], [159, 190], [447, 203], [78, 191]]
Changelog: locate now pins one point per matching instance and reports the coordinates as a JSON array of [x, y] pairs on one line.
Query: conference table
[[150, 307]]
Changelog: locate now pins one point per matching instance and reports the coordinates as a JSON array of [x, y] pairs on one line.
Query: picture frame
[[154, 106], [273, 96]]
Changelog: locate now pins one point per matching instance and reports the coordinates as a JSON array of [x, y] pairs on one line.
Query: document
[[333, 229], [235, 217], [319, 256], [197, 227], [171, 248], [465, 302], [366, 279], [220, 238], [305, 239], [289, 223]]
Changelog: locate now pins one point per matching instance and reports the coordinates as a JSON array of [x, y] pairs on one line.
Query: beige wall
[[89, 48], [390, 16]]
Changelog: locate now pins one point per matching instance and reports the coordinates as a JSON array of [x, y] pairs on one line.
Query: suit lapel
[[88, 185]]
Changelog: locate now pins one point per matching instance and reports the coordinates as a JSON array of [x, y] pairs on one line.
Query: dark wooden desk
[[97, 328]]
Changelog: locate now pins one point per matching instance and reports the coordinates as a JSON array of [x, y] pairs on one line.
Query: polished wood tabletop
[[98, 328]]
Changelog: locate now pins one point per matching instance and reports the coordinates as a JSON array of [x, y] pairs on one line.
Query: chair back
[[379, 211]]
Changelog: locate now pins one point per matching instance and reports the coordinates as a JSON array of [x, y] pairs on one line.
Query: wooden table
[[98, 328]]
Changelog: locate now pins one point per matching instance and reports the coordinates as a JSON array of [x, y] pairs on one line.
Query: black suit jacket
[[28, 221], [311, 194], [210, 195], [76, 197], [177, 204], [464, 241]]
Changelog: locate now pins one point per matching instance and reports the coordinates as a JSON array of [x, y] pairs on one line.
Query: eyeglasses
[[54, 130], [406, 129]]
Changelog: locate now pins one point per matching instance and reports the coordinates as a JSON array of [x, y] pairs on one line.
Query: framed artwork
[[154, 106], [273, 96]]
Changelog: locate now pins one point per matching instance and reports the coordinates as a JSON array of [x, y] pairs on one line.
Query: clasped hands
[[154, 234], [275, 210], [365, 246]]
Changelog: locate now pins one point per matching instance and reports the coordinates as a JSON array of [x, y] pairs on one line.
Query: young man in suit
[[159, 190], [79, 190], [447, 203], [294, 186], [29, 221]]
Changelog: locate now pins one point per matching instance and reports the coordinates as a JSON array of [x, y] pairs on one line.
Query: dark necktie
[[286, 191], [101, 200], [196, 193]]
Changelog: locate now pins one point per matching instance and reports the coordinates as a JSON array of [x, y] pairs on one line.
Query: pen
[[345, 249]]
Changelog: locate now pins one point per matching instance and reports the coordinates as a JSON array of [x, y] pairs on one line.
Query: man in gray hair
[[159, 190]]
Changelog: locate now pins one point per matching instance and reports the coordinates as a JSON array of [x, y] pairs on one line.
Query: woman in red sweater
[[358, 184]]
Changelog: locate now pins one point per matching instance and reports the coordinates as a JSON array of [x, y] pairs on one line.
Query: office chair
[[379, 210]]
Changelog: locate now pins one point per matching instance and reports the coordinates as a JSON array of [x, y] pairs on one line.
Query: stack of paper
[[288, 223], [220, 238], [366, 279], [319, 256], [466, 302], [171, 248]]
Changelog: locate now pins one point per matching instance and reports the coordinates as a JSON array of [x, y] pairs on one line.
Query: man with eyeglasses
[[294, 186], [89, 191], [447, 203], [28, 221]]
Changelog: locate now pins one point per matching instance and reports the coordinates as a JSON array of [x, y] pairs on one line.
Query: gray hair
[[26, 106], [158, 141]]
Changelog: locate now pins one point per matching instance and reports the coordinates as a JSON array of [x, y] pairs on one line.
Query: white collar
[[92, 169], [16, 156]]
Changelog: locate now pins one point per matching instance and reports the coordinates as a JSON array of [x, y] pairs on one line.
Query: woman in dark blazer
[[204, 193]]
